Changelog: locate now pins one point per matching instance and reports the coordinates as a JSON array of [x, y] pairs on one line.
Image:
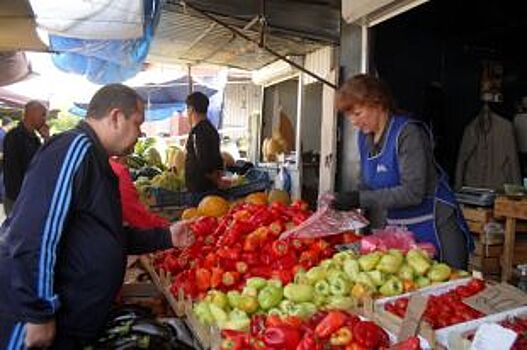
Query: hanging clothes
[[488, 154]]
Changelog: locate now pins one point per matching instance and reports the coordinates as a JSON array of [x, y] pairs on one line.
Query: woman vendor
[[399, 174]]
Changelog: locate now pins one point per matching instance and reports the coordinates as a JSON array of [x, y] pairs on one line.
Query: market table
[[511, 209]]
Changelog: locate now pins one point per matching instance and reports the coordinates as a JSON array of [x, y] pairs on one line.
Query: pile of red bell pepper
[[446, 309], [335, 330], [242, 244]]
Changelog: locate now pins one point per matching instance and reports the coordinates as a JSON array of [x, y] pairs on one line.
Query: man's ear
[[113, 117]]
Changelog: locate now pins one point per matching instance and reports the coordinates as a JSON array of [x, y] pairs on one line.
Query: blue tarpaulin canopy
[[163, 100]]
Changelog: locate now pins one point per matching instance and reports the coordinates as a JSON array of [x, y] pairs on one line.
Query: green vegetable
[[238, 320], [422, 282], [336, 274], [202, 311], [328, 264], [393, 286], [303, 310], [340, 303], [300, 277], [322, 288], [418, 261], [439, 272], [219, 298], [341, 257], [369, 262], [319, 300], [339, 286], [377, 277], [299, 292], [275, 282], [256, 282], [234, 298], [365, 279], [220, 316], [406, 272], [250, 291], [270, 297], [315, 274], [390, 263], [275, 312], [352, 269], [249, 304]]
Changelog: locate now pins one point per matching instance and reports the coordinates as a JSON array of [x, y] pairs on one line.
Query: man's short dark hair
[[113, 96], [198, 101]]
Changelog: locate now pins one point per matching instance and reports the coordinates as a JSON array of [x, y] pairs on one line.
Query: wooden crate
[[477, 214], [485, 265], [487, 250]]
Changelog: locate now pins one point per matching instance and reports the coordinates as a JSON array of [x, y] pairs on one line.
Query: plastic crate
[[257, 181]]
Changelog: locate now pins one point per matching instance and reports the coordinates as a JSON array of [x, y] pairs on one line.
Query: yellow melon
[[257, 198], [279, 196], [189, 213], [213, 206]]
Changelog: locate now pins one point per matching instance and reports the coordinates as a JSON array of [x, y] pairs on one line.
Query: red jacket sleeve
[[135, 213]]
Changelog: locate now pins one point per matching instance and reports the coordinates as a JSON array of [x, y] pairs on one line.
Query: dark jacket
[[63, 249], [20, 145], [203, 157]]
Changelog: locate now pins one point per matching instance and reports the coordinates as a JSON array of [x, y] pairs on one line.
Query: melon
[[189, 213], [215, 206], [279, 196], [259, 198]]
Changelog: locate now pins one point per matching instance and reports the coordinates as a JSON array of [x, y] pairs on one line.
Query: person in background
[[203, 164], [135, 213], [5, 123], [63, 248], [398, 172], [20, 145]]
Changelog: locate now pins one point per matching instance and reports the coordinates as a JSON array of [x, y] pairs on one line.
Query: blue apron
[[382, 171]]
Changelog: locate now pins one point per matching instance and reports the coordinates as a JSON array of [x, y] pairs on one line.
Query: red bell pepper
[[229, 253], [230, 278], [280, 248], [332, 322], [203, 279], [286, 276], [367, 334], [257, 325], [234, 340], [261, 271], [251, 258], [282, 337], [309, 342], [216, 277], [242, 267]]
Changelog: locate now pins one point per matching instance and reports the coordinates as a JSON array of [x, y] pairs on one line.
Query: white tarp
[[91, 19]]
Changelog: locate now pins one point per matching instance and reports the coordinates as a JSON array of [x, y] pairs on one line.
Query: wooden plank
[[487, 250], [508, 249], [482, 215], [475, 227], [507, 207], [484, 264]]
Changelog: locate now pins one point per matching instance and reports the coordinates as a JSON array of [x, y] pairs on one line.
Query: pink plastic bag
[[327, 222], [393, 237]]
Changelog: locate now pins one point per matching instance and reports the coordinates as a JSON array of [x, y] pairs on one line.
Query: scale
[[482, 197]]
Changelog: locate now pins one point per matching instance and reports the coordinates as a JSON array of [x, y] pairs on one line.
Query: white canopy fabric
[[91, 19], [17, 27]]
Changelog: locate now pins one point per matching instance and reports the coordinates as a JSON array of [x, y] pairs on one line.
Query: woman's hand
[[182, 235], [345, 200]]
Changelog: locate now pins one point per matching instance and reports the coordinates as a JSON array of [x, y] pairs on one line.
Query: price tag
[[414, 312], [492, 336], [498, 298]]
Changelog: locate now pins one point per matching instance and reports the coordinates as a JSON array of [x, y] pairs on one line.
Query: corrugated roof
[[185, 36]]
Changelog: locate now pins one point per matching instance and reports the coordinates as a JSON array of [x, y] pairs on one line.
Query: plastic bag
[[394, 237], [327, 222]]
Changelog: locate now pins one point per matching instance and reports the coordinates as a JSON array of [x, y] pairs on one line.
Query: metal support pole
[[364, 48], [299, 127], [189, 78], [264, 47]]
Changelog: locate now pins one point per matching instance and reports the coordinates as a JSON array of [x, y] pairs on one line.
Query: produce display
[[232, 246], [323, 330], [445, 309]]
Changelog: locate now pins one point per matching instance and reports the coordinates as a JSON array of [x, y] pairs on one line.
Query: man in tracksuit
[[63, 249]]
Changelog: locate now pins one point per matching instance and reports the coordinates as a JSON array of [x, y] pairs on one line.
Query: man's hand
[[182, 235], [40, 335], [44, 131]]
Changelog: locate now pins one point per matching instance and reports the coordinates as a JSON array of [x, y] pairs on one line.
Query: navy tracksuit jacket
[[63, 248]]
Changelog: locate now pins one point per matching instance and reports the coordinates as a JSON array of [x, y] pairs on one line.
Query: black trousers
[[12, 335]]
